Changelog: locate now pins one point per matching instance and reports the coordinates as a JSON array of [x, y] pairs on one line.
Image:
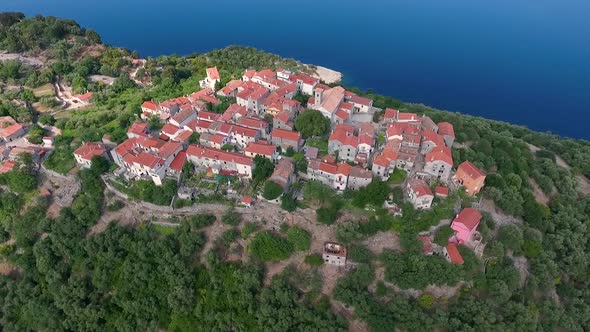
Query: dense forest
[[140, 278]]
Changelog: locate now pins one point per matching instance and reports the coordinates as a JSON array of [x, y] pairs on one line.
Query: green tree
[[299, 238], [268, 246], [312, 123], [271, 190]]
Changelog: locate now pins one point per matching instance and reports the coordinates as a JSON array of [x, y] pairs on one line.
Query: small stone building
[[334, 254]]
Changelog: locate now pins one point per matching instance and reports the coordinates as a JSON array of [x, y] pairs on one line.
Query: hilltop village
[[239, 190], [259, 122]]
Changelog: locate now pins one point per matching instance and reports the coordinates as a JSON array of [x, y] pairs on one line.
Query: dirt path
[[499, 217], [540, 196]]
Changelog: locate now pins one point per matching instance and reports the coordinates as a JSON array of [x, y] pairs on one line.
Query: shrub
[[314, 260], [299, 238], [231, 217], [248, 229], [201, 221], [272, 190], [360, 254], [116, 206], [443, 234], [288, 202], [269, 247]]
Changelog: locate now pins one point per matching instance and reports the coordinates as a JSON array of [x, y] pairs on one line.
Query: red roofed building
[[137, 129], [419, 194], [149, 107], [452, 254], [465, 224], [441, 191], [183, 137], [219, 160], [7, 166], [84, 99], [207, 116], [470, 177], [283, 120], [233, 113], [285, 139], [255, 123], [183, 117], [284, 174], [333, 175], [86, 152], [170, 130], [242, 136], [431, 140], [305, 83], [177, 163], [211, 79], [448, 133], [251, 95], [438, 163], [230, 89], [11, 132], [246, 201], [261, 148]]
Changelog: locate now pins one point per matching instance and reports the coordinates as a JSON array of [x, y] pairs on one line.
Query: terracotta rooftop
[[454, 254], [89, 150], [470, 170], [286, 134], [469, 217], [446, 129]]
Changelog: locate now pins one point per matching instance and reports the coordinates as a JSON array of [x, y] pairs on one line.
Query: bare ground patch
[[382, 241], [540, 196]]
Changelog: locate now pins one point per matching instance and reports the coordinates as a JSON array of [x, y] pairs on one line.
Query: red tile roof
[[10, 130], [7, 166], [86, 96], [89, 150], [265, 149], [419, 187], [446, 129], [246, 200], [441, 190], [210, 116], [183, 136], [251, 122], [138, 128], [428, 135], [283, 116], [344, 133], [469, 217], [183, 115], [147, 160], [391, 113], [178, 161], [440, 153], [170, 129], [360, 100], [168, 149], [217, 154], [212, 73], [286, 134], [470, 170], [408, 117], [454, 254]]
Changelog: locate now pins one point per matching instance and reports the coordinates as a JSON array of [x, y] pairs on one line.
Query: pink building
[[465, 224]]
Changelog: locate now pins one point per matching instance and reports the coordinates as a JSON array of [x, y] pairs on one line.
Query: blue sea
[[521, 61]]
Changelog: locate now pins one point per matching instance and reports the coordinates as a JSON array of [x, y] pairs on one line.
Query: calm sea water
[[522, 61]]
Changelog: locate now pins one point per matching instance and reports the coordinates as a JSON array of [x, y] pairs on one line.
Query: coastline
[[327, 75]]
